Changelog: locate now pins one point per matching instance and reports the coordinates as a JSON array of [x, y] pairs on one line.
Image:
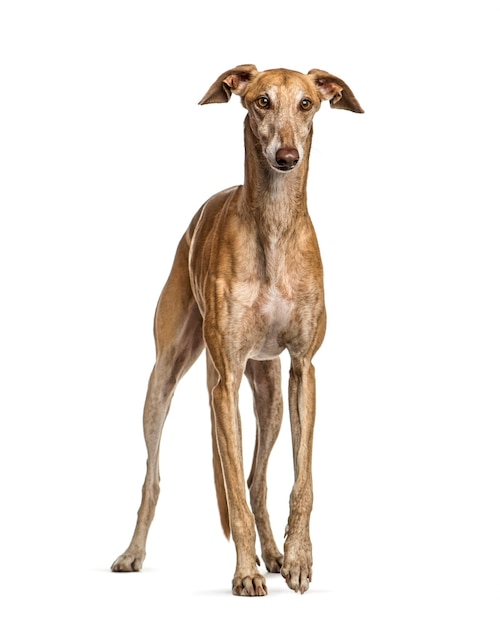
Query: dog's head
[[281, 105]]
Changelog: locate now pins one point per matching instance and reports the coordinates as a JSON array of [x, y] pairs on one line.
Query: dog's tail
[[220, 486]]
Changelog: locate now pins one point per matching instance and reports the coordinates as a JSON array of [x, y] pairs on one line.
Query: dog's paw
[[297, 577], [297, 568], [128, 562], [253, 585], [273, 561]]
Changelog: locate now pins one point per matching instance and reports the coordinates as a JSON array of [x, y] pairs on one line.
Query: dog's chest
[[275, 308], [269, 317], [269, 303], [268, 299]]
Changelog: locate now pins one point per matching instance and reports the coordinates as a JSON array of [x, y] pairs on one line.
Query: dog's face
[[281, 105]]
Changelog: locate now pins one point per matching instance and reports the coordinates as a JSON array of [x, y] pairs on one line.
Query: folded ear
[[233, 81], [334, 89]]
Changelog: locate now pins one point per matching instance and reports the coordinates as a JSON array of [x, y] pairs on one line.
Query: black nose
[[287, 158]]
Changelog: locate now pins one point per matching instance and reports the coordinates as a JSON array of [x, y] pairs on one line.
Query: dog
[[247, 284]]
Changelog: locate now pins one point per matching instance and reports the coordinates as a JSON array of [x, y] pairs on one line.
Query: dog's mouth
[[283, 168]]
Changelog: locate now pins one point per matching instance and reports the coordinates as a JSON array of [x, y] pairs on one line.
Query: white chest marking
[[276, 308]]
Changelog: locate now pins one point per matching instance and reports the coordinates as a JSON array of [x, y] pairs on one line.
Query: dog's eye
[[305, 104], [263, 102]]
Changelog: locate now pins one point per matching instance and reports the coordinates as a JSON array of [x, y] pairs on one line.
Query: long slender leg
[[247, 580], [265, 381], [155, 411], [297, 564], [179, 342]]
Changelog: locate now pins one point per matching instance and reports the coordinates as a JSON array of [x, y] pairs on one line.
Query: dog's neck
[[275, 200]]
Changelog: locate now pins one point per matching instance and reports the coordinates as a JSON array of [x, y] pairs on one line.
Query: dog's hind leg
[[265, 380], [179, 342]]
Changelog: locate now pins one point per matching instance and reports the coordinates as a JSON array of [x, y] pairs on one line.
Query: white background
[[105, 156]]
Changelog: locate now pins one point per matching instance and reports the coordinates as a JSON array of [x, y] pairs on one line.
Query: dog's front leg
[[247, 579], [265, 380], [297, 564]]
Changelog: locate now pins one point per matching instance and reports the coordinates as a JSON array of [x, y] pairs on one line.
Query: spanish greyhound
[[247, 284]]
